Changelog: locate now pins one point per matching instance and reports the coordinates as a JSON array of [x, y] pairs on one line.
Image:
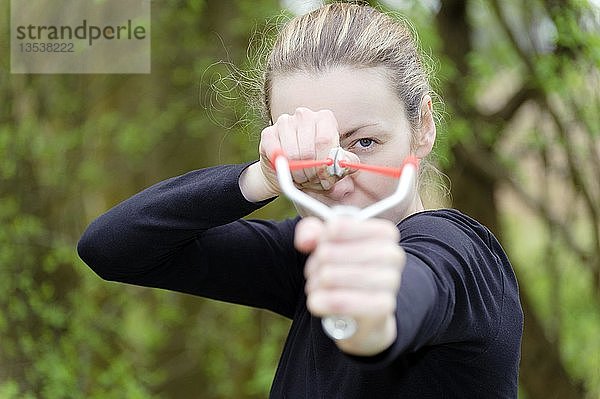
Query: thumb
[[308, 232], [351, 158]]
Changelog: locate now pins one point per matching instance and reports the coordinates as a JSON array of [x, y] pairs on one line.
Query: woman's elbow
[[92, 250]]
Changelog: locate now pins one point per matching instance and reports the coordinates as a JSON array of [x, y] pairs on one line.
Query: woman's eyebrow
[[350, 132]]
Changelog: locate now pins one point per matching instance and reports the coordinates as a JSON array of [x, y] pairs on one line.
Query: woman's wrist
[[372, 337], [254, 186]]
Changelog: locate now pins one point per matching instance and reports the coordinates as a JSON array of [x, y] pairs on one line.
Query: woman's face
[[372, 124]]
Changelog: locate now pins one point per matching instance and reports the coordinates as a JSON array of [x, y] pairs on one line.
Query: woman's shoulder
[[440, 214], [446, 224]]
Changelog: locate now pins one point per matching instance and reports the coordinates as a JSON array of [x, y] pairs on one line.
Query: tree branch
[[510, 35], [577, 178], [505, 115], [579, 185], [495, 170], [591, 144]]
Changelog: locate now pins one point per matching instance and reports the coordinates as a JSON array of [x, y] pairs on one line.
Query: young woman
[[433, 294]]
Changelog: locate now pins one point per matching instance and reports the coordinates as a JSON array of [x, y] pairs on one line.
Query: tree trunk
[[542, 374]]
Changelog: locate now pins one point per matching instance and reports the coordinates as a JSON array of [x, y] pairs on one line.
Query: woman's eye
[[365, 143]]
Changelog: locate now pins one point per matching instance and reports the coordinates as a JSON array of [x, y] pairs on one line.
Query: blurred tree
[[546, 54], [72, 146]]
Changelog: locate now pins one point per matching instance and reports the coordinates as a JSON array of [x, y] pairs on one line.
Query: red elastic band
[[305, 164], [274, 155], [382, 170]]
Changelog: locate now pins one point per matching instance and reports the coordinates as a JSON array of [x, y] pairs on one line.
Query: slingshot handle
[[340, 327]]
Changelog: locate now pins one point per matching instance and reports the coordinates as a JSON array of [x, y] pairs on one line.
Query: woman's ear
[[426, 132]]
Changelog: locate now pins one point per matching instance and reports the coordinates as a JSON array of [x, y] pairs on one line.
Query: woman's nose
[[342, 188]]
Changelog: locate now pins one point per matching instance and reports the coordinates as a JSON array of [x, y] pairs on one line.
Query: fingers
[[351, 303], [269, 145], [354, 277], [365, 264], [288, 129], [355, 267], [307, 235], [324, 142], [359, 254], [349, 229], [304, 135]]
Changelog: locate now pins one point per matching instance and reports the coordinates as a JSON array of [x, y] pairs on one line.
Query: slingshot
[[338, 326]]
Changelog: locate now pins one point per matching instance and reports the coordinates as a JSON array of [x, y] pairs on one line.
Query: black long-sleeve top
[[458, 314]]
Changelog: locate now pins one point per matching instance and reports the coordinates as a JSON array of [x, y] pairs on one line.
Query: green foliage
[[562, 293], [70, 147]]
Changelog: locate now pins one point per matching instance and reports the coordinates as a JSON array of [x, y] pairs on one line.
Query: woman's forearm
[[145, 230]]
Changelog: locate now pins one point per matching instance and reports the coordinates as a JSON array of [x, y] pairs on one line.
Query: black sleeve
[[185, 234], [452, 287]]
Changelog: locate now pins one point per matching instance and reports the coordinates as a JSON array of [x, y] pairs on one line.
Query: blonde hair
[[347, 34], [359, 36]]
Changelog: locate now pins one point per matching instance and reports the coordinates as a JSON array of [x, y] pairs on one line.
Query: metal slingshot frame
[[341, 327]]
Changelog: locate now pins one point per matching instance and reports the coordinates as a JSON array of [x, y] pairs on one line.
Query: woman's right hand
[[305, 135]]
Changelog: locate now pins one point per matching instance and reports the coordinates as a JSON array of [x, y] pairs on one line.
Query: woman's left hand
[[354, 269]]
